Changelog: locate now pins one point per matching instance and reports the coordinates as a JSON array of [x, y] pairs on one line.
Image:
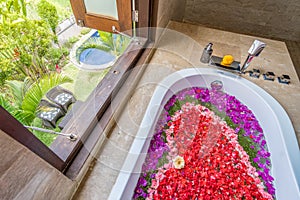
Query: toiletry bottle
[[206, 53]]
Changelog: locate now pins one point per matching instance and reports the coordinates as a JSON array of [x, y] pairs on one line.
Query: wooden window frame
[[101, 22], [69, 156]]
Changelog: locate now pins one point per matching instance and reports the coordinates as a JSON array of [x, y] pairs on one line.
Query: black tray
[[216, 61]]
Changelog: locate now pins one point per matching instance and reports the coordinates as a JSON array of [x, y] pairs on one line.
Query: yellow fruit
[[227, 60]]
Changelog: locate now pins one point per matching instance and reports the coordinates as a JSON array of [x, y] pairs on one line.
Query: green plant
[[94, 45], [22, 44], [39, 88], [56, 56], [3, 77], [27, 95], [17, 90], [46, 138], [85, 31], [63, 8], [11, 10], [53, 56], [21, 115], [70, 42], [73, 39], [116, 43], [6, 104], [107, 39], [65, 51], [47, 11], [37, 69]]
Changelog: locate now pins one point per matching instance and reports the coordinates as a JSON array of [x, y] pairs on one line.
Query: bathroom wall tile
[[294, 50], [270, 18], [170, 10]]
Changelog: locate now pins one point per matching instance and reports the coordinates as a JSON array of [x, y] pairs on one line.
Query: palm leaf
[[32, 98], [51, 80], [23, 6], [39, 88], [6, 53], [107, 38], [6, 105], [23, 116], [16, 90], [27, 83]]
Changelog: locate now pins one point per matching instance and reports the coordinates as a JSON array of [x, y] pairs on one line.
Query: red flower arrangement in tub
[[215, 164], [198, 156]]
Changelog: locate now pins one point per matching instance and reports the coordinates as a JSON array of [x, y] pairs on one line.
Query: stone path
[[71, 31]]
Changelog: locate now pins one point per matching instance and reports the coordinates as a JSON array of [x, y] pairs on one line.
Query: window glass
[[47, 74], [102, 7], [50, 67]]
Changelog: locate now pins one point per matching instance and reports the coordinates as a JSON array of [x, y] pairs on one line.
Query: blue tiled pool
[[93, 56]]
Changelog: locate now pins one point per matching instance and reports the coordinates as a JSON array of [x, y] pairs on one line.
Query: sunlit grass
[[84, 81]]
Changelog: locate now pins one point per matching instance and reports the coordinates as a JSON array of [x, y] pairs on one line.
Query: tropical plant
[[46, 138], [6, 58], [25, 58], [121, 44], [5, 104], [27, 95], [11, 10], [85, 31], [21, 115], [63, 8], [39, 88], [116, 43], [22, 41], [47, 11], [70, 42], [107, 39], [109, 42], [22, 44], [95, 42], [56, 56], [17, 90]]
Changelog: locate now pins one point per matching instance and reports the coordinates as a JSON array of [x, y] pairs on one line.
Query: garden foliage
[[48, 12]]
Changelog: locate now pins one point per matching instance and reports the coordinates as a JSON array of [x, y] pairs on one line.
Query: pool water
[[93, 56]]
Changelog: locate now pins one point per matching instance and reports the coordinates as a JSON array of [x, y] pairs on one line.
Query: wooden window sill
[[90, 113]]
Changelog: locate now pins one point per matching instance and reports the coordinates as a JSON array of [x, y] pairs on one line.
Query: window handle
[[70, 136], [123, 34]]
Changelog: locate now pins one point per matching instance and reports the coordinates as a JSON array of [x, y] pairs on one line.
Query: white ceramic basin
[[277, 127]]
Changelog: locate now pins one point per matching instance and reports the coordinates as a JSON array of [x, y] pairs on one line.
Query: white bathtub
[[277, 127]]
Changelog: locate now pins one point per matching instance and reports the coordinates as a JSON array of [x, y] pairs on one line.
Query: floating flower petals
[[195, 154]]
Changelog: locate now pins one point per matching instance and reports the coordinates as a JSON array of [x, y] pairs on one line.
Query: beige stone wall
[[276, 19], [168, 10], [24, 175]]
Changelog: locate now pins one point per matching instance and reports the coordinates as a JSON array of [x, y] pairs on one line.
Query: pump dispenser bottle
[[207, 52]]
